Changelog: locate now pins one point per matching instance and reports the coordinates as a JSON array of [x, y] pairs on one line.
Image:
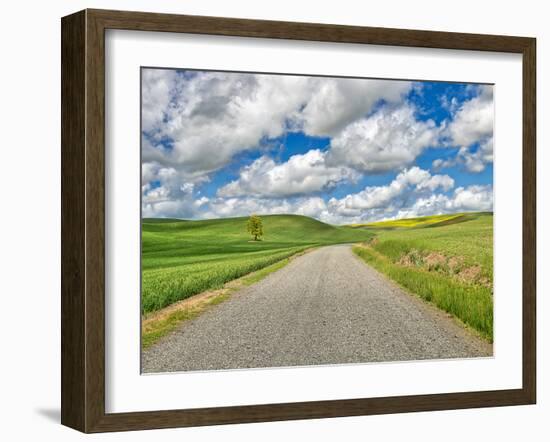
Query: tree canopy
[[254, 227]]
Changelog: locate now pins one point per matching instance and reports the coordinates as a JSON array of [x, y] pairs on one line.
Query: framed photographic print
[[270, 220]]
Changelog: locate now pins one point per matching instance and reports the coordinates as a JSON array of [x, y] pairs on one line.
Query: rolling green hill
[[183, 258], [447, 260], [470, 238], [424, 221]]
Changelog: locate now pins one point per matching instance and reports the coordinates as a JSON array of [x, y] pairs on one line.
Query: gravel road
[[325, 307]]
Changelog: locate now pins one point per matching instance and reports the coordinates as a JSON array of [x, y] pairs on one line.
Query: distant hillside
[[277, 228], [424, 221]]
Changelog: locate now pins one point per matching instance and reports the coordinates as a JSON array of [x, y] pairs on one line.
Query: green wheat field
[[446, 260]]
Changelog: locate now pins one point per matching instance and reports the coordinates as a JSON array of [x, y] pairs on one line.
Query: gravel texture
[[325, 307]]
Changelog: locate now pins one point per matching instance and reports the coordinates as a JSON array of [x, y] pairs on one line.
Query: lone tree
[[254, 227]]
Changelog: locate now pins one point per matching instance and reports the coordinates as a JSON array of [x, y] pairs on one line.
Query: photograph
[[302, 220]]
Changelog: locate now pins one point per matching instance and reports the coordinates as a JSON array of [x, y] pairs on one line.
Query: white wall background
[[30, 217]]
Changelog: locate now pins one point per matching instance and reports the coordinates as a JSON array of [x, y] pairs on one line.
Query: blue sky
[[342, 150]]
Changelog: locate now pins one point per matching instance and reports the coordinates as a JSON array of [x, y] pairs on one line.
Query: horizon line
[[491, 212]]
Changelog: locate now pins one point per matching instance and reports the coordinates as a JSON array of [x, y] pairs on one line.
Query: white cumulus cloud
[[157, 87], [409, 182], [472, 130], [473, 122], [473, 198], [212, 116], [230, 207], [301, 174], [337, 102], [414, 192], [473, 160], [389, 139]]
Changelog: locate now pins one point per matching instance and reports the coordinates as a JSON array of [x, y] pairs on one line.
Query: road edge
[[158, 324]]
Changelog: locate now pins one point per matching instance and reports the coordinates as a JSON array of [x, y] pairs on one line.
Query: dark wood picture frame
[[83, 220]]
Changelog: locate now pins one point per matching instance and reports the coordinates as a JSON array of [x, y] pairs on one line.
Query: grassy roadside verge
[[472, 304], [158, 324]]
